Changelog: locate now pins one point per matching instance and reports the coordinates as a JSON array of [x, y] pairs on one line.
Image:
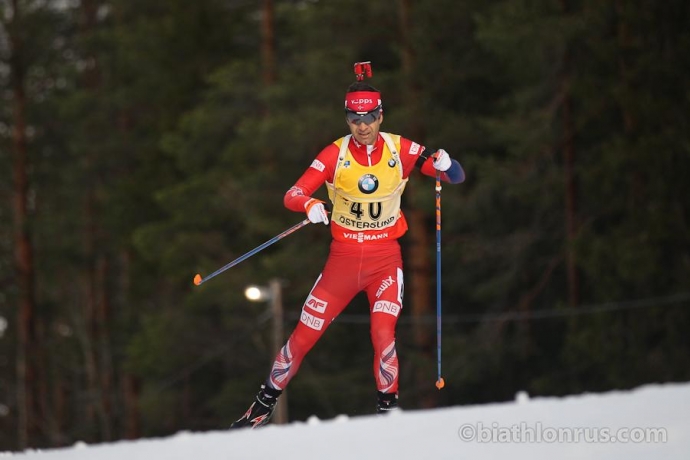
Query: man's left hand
[[441, 160]]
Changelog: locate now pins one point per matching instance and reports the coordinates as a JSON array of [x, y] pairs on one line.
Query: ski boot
[[386, 403], [261, 410]]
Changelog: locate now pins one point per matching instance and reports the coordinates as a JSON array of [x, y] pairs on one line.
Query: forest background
[[144, 141]]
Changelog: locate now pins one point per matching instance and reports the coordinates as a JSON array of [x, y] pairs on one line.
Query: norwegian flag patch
[[414, 148], [316, 164]]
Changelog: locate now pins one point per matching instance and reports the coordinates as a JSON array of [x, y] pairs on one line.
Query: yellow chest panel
[[367, 197]]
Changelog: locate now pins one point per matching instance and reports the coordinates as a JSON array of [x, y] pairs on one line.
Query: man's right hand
[[316, 211]]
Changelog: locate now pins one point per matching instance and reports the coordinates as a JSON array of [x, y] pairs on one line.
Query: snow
[[649, 422]]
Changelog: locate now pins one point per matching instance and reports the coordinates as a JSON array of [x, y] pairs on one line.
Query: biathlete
[[365, 173]]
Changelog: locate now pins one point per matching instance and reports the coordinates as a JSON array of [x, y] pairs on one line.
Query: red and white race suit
[[364, 184]]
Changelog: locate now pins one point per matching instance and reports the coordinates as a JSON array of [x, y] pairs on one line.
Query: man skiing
[[365, 173]]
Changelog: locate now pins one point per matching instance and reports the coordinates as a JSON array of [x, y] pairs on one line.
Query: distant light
[[252, 293], [4, 410], [3, 326], [63, 329], [257, 293]]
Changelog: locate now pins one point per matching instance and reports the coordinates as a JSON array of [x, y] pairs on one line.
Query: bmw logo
[[368, 183]]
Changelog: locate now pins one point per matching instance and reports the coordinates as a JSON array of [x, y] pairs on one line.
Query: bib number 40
[[374, 210]]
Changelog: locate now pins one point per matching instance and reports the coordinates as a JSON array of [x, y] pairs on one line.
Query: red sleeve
[[320, 171], [409, 153]]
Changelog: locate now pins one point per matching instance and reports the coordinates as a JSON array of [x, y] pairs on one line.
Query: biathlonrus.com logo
[[537, 433]]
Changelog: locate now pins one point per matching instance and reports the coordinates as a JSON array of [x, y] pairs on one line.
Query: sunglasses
[[366, 118]]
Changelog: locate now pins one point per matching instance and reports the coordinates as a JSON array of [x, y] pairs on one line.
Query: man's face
[[365, 133]]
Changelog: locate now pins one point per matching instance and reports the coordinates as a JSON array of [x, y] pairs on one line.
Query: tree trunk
[[45, 422], [94, 338], [23, 248], [131, 389], [570, 201], [58, 437], [625, 43], [103, 340], [268, 64], [417, 260], [131, 385], [568, 144]]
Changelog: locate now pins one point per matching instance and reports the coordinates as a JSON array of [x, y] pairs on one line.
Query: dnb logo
[[368, 183], [317, 305]]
